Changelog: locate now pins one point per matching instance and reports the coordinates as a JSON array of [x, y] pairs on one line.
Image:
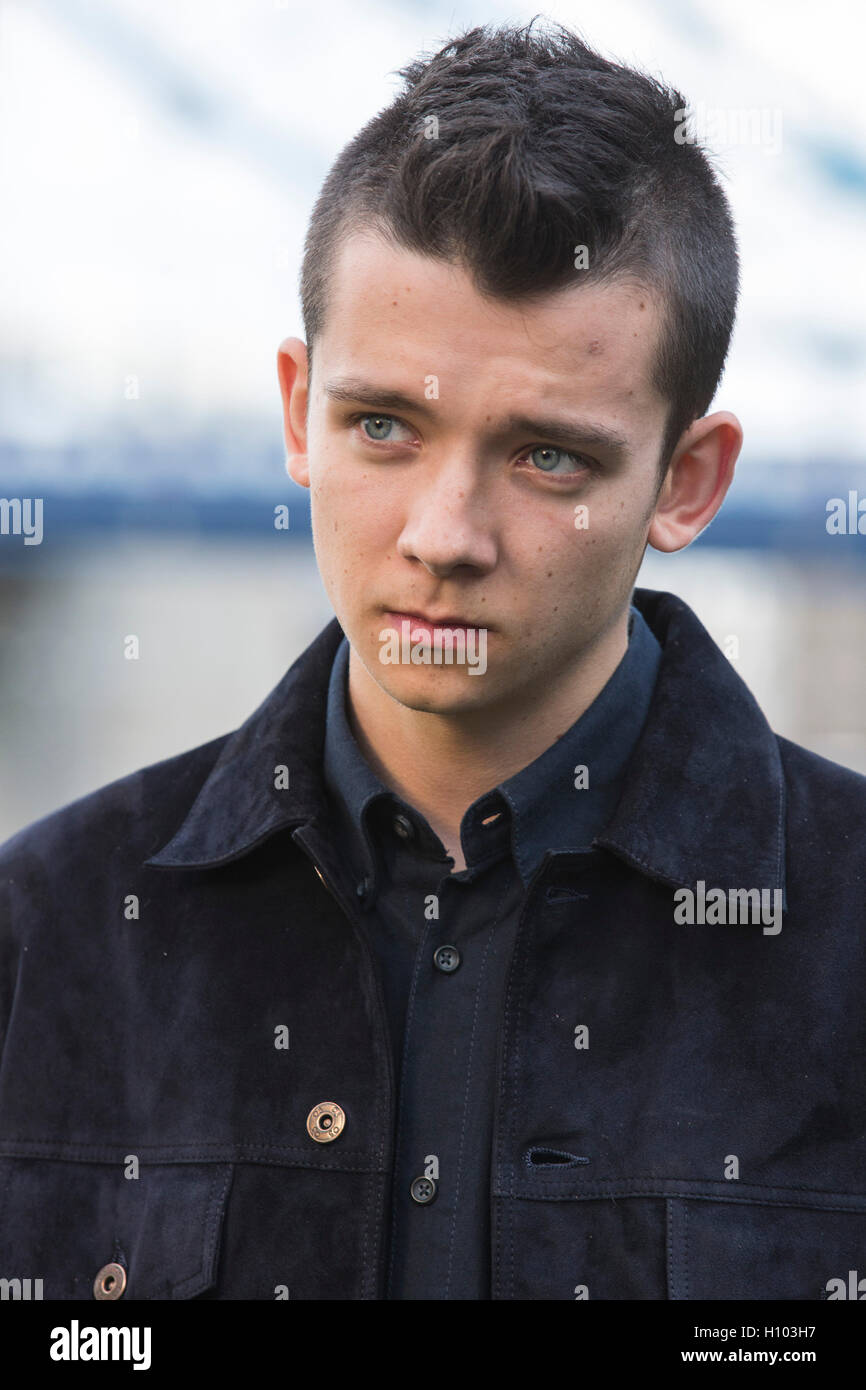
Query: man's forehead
[[383, 276], [396, 312]]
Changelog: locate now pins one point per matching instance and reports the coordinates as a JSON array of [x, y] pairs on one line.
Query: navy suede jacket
[[196, 1082]]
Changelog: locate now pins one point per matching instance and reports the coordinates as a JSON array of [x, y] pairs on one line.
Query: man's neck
[[440, 764]]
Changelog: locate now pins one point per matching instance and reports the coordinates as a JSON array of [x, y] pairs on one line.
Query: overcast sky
[[159, 160]]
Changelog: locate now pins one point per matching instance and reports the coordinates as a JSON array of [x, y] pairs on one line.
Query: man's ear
[[699, 475], [292, 372]]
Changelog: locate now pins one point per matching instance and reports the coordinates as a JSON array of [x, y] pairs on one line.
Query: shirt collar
[[703, 796], [558, 801]]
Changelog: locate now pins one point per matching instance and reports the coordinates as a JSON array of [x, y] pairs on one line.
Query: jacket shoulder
[[67, 871], [134, 815], [825, 800]]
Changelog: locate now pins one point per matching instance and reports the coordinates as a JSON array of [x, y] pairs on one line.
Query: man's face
[[462, 499]]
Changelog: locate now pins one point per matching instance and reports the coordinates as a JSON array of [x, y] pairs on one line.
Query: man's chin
[[435, 690]]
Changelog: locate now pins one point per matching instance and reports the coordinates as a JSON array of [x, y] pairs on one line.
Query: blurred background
[[158, 164]]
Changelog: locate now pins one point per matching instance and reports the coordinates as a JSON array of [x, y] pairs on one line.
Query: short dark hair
[[543, 146]]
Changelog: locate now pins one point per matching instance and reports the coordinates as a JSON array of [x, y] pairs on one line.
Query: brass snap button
[[325, 1121], [109, 1282]]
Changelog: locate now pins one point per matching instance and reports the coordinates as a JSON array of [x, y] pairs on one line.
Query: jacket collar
[[242, 801], [703, 796], [705, 793]]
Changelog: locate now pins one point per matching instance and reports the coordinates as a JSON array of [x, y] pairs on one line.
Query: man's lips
[[428, 621]]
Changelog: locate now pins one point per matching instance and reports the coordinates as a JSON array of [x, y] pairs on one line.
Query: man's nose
[[450, 522]]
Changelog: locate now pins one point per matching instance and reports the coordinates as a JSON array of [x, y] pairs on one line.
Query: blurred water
[[218, 623]]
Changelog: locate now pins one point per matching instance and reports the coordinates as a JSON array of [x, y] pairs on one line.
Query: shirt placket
[[444, 1134]]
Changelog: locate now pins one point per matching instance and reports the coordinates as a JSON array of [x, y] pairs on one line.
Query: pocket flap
[[63, 1222]]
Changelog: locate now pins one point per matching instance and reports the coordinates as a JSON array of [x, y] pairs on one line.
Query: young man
[[504, 952]]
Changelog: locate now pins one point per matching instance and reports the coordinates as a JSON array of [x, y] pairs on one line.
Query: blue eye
[[382, 426], [546, 457]]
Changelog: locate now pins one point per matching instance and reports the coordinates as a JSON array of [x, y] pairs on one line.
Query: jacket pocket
[[560, 1236], [794, 1245], [62, 1223]]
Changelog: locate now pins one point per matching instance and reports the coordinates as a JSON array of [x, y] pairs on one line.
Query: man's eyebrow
[[568, 433], [348, 388], [588, 435]]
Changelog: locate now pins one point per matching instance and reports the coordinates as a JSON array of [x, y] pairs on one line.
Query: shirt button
[[446, 959], [325, 1121], [423, 1190], [403, 827], [109, 1282]]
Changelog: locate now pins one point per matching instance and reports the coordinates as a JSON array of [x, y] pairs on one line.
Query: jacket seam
[[703, 1197], [603, 1185], [223, 1154]]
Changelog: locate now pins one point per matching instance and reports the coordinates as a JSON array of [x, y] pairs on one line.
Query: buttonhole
[[563, 895], [547, 1158]]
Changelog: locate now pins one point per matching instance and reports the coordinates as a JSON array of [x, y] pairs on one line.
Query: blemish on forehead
[[594, 347]]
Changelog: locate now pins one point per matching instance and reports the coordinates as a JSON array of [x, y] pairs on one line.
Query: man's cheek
[[612, 528]]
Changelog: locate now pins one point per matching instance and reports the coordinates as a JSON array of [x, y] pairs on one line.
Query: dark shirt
[[443, 942]]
